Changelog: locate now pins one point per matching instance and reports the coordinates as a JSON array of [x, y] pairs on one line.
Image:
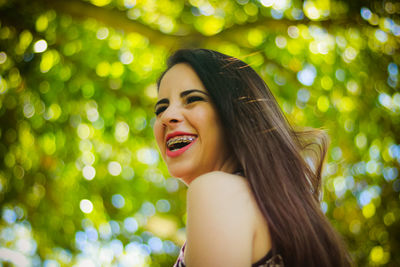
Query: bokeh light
[[40, 46], [81, 180]]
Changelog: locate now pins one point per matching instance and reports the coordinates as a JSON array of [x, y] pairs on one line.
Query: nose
[[172, 116]]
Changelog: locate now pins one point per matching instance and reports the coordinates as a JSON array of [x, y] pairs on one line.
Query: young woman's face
[[187, 128]]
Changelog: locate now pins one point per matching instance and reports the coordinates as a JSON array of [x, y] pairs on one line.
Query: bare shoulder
[[220, 183], [221, 221], [222, 190]]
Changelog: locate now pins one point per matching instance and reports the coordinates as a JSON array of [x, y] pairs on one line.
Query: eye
[[192, 99], [160, 109]]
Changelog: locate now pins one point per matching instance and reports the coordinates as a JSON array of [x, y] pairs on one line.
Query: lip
[[169, 136], [180, 151]]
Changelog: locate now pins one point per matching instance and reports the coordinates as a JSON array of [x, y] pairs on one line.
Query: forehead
[[179, 78]]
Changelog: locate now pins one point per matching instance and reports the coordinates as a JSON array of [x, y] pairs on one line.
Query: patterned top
[[267, 261]]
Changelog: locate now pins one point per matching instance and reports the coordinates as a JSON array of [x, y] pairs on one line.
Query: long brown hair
[[272, 156]]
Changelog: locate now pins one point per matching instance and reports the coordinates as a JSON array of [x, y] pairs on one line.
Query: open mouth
[[178, 142]]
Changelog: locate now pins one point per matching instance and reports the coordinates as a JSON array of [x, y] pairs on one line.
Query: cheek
[[210, 126], [216, 130]]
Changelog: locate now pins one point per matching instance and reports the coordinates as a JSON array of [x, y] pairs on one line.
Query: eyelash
[[192, 99], [160, 109], [189, 100]]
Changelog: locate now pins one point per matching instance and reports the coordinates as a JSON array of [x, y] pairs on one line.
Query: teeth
[[180, 139]]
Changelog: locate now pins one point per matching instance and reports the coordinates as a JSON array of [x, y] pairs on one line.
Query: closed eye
[[192, 99], [160, 110]]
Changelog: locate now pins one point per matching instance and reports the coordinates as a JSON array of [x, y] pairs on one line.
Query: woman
[[252, 198]]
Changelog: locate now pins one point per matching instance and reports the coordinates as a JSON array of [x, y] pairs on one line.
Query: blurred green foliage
[[81, 181]]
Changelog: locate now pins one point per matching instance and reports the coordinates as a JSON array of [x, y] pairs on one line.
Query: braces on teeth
[[180, 139]]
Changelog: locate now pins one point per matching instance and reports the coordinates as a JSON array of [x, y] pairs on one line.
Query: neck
[[230, 165]]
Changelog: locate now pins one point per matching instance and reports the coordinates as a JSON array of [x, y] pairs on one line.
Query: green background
[[81, 180]]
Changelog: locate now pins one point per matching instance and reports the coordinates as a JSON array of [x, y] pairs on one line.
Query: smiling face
[[187, 128]]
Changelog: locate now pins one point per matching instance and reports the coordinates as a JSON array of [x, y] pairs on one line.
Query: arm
[[221, 221]]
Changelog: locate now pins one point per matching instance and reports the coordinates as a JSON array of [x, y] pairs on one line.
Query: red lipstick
[[169, 136], [180, 151]]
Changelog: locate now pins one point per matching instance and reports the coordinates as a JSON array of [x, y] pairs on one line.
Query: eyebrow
[[187, 92], [182, 94]]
